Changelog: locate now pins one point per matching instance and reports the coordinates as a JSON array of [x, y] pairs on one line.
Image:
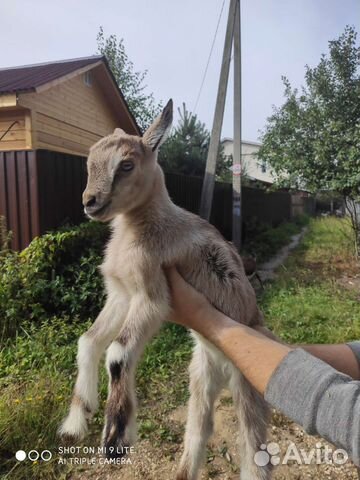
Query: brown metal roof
[[27, 78]]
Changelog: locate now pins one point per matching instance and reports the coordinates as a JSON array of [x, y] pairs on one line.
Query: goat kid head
[[122, 169]]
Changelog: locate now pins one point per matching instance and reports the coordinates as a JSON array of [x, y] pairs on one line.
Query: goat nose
[[90, 202]]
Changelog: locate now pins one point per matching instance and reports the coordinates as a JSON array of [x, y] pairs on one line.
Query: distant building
[[254, 168]]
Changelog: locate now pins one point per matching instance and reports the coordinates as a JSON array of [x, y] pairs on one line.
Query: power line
[[208, 60]]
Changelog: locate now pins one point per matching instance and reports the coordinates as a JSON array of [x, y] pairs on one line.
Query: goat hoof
[[117, 437], [73, 428], [182, 476], [68, 439], [115, 445], [115, 449]]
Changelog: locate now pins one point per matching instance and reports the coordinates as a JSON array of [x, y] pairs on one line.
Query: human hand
[[189, 306]]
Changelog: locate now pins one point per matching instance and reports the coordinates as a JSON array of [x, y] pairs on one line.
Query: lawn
[[37, 375], [311, 301], [308, 303]]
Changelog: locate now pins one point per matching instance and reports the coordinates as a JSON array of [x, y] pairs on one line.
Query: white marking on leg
[[74, 424], [91, 346], [115, 353], [88, 357]]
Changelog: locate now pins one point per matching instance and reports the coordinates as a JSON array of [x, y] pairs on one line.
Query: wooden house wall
[[70, 116], [16, 137]]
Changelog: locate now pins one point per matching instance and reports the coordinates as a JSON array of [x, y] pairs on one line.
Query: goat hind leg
[[253, 414], [91, 346], [205, 385]]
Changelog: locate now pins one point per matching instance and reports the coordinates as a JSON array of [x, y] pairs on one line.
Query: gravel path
[[151, 462]]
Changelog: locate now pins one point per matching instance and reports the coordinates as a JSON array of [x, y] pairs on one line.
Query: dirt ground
[[152, 462], [351, 282]]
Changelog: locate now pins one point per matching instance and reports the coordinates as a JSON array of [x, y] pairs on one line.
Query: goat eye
[[126, 165]]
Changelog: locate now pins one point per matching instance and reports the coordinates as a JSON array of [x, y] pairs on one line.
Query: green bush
[[57, 275], [302, 220]]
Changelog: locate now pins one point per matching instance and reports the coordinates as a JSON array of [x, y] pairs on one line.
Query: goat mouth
[[96, 213]]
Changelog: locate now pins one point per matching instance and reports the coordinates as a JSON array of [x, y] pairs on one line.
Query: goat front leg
[[144, 319], [91, 346]]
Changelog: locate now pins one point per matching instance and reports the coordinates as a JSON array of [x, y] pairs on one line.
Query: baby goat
[[126, 185]]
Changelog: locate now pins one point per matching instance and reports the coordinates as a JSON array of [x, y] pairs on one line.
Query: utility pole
[[232, 37], [237, 159], [209, 179]]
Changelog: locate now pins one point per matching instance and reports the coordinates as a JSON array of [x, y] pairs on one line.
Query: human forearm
[[255, 355], [303, 387], [341, 357]]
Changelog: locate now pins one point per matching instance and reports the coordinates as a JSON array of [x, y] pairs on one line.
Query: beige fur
[[126, 185]]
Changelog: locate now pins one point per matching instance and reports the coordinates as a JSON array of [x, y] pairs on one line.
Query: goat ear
[[158, 131]]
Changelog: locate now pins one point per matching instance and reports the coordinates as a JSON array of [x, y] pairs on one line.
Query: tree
[[131, 82], [313, 140], [186, 149]]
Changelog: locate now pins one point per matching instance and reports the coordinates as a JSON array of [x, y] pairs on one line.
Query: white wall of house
[[253, 168]]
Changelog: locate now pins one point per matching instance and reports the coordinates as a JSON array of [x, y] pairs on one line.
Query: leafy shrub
[[57, 275], [5, 236]]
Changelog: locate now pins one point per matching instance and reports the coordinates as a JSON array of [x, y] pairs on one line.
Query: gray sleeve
[[324, 401], [355, 347]]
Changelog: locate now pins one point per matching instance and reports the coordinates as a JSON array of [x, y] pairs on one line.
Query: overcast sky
[[171, 39]]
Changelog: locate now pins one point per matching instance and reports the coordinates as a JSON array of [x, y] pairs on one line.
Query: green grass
[[307, 304], [321, 313], [37, 373], [265, 241]]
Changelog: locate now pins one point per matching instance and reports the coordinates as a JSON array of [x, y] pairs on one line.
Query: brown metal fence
[[41, 190], [19, 195], [61, 181]]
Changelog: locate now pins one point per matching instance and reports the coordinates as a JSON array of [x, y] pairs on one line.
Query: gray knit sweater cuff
[[322, 400], [355, 347]]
